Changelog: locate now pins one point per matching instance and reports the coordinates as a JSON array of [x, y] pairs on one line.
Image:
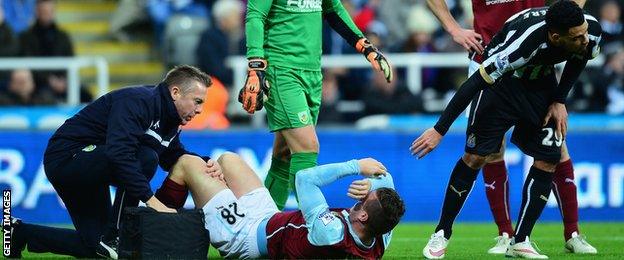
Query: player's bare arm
[[425, 143], [465, 37]]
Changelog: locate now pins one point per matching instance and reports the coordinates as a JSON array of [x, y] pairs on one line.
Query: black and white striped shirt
[[521, 49]]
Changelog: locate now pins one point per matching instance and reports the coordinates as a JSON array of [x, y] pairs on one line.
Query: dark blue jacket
[[121, 121]]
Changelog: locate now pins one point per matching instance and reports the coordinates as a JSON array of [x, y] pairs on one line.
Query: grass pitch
[[472, 240]]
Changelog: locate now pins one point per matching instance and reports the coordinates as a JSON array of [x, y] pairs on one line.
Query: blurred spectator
[[366, 14], [44, 38], [223, 39], [57, 86], [21, 91], [18, 13], [161, 10], [330, 97], [128, 15], [420, 25], [394, 15], [389, 98], [611, 23], [213, 110], [609, 81], [8, 47]]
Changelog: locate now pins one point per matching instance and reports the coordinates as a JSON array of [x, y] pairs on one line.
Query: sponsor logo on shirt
[[494, 2], [304, 6]]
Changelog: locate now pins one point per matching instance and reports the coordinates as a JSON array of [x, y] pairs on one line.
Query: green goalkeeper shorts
[[294, 98]]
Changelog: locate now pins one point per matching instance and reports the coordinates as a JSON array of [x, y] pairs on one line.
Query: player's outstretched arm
[[470, 40], [432, 136], [338, 19]]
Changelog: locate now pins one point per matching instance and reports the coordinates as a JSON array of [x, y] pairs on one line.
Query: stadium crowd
[[403, 26]]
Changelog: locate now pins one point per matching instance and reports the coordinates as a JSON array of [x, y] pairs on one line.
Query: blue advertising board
[[598, 160]]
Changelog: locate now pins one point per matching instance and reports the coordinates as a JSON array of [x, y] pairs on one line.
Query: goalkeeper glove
[[256, 86], [374, 56]]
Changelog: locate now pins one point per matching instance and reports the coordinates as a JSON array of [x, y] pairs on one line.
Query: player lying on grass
[[244, 222]]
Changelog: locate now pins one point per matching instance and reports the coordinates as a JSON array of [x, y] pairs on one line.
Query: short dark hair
[[563, 15], [386, 212], [184, 76]]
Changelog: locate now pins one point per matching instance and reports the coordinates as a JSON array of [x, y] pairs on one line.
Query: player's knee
[[228, 158], [474, 161], [545, 166], [310, 145], [282, 153], [496, 157]]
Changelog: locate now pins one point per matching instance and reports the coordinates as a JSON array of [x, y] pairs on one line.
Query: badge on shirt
[[501, 62], [327, 217]]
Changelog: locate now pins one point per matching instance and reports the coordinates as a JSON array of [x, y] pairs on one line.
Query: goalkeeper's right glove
[[256, 86]]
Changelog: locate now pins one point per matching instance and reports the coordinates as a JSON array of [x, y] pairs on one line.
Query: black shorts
[[513, 102]]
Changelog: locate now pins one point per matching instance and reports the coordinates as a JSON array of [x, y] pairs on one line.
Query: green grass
[[472, 240]]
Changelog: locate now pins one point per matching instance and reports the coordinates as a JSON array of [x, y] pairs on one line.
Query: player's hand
[[256, 86], [359, 189], [469, 39], [425, 143], [213, 169], [370, 167], [154, 203], [559, 113], [375, 57]]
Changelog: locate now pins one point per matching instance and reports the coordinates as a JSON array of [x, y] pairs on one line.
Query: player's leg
[[497, 192], [564, 189], [189, 171], [486, 128], [277, 178], [538, 142], [292, 109], [240, 178]]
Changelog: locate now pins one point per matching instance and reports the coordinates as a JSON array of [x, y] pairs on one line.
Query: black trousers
[[82, 179]]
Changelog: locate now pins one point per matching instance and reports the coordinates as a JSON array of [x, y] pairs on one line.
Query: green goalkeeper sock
[[300, 161], [277, 181]]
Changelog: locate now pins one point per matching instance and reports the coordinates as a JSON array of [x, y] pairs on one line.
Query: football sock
[[534, 197], [565, 192], [172, 194], [300, 161], [277, 181], [459, 186], [497, 192]]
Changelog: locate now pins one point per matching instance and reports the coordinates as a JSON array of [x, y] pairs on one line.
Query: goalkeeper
[[284, 52]]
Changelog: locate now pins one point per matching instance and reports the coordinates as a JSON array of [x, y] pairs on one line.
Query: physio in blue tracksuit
[[118, 140]]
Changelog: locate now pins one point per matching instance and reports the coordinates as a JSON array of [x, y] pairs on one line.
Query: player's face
[[189, 104], [576, 40]]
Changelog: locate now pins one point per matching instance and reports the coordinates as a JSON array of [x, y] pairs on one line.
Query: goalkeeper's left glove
[[375, 57]]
